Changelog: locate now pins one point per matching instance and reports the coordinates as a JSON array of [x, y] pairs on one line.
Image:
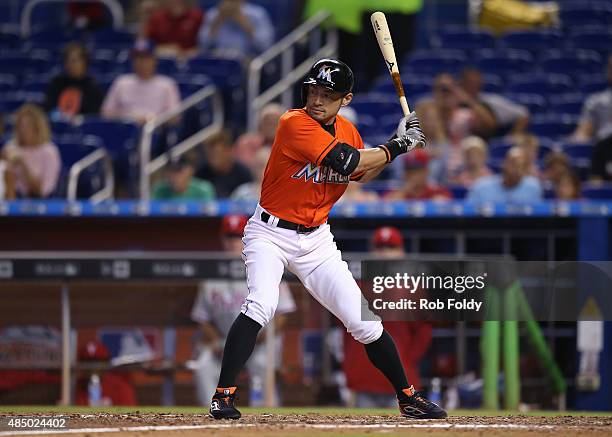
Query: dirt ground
[[302, 425]]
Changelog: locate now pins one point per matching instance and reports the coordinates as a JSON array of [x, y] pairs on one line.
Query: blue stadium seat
[[376, 105], [531, 40], [411, 89], [464, 39], [71, 151], [592, 83], [553, 125], [57, 36], [540, 84], [592, 39], [458, 191], [21, 64], [11, 101], [112, 38], [167, 66], [600, 193], [435, 61], [498, 150], [492, 83], [367, 125], [567, 107], [572, 63], [9, 40], [505, 62], [535, 102], [584, 14], [120, 138], [63, 129], [226, 72], [578, 151], [8, 82], [189, 84]]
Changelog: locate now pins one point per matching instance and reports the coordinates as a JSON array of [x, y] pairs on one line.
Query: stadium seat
[[435, 62], [572, 63], [531, 40], [540, 84], [567, 107], [8, 82], [56, 36], [592, 39], [9, 40], [553, 125], [189, 84], [592, 83], [11, 101], [535, 102], [458, 191], [492, 83], [600, 193], [112, 38], [411, 89], [464, 39], [376, 105], [366, 125], [578, 151], [584, 14], [505, 62], [120, 138], [226, 72], [22, 63]]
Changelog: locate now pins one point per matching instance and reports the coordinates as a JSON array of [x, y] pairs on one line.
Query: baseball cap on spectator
[[93, 351], [417, 158], [233, 225], [387, 236], [143, 47]]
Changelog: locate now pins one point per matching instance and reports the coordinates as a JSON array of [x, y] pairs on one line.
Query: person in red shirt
[[174, 28], [411, 338], [416, 185]]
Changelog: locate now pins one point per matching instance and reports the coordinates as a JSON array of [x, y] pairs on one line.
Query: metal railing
[[26, 15], [109, 178], [290, 74], [148, 166]]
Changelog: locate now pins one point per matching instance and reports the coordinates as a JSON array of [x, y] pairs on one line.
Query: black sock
[[238, 348], [383, 354]]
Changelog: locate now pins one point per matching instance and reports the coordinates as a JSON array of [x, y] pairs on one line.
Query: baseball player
[[315, 154], [215, 307]]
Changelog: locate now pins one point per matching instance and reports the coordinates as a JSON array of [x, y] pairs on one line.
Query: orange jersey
[[296, 187]]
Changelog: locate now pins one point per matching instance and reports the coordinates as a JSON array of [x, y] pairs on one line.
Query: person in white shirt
[[144, 94]]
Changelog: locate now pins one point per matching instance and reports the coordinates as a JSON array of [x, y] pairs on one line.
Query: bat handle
[[404, 104]]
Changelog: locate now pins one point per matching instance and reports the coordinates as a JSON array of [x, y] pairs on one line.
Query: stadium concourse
[[134, 139]]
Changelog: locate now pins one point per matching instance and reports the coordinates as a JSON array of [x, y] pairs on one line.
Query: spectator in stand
[[510, 117], [595, 123], [355, 193], [531, 146], [556, 164], [215, 307], [7, 181], [447, 117], [248, 144], [87, 15], [31, 156], [181, 185], [514, 185], [221, 167], [412, 340], [236, 28], [475, 157], [173, 27], [74, 91], [252, 190], [141, 95], [416, 180], [568, 186]]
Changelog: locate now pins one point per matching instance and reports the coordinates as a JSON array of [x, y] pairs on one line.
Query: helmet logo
[[325, 73]]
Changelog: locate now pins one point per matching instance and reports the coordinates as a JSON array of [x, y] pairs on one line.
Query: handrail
[[109, 178], [148, 167], [26, 15], [289, 73]]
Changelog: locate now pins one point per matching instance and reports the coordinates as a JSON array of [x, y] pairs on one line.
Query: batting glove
[[408, 137]]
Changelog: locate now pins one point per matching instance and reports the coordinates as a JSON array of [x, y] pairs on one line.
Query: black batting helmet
[[330, 73]]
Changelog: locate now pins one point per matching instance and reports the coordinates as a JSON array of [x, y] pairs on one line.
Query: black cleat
[[222, 404], [415, 405]]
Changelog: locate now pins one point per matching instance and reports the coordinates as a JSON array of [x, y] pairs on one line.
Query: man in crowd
[[144, 94], [180, 183], [514, 185], [221, 167], [236, 27]]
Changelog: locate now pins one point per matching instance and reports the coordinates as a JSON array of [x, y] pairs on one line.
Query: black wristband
[[394, 148]]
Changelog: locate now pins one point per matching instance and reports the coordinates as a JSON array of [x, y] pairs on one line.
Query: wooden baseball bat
[[383, 36]]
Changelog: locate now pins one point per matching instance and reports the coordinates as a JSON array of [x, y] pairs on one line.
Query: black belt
[[285, 224]]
